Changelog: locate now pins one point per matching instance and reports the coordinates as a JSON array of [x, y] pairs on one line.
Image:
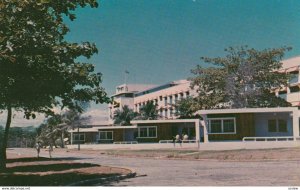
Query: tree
[[124, 116], [39, 69], [185, 108], [244, 78], [56, 127], [148, 111]]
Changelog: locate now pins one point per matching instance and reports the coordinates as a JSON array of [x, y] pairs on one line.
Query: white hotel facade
[[135, 96]]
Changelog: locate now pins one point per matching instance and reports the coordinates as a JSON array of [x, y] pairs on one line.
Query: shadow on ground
[[52, 174], [40, 159], [49, 180]]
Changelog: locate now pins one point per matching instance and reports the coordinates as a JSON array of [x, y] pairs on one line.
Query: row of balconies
[[163, 101]]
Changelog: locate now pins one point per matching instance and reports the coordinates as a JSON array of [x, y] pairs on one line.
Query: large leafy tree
[[185, 108], [124, 116], [245, 77], [39, 69]]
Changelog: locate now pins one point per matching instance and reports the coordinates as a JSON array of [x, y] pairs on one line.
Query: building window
[[147, 132], [176, 98], [166, 101], [181, 95], [187, 94], [277, 125], [282, 125], [79, 137], [170, 99], [216, 126], [221, 125], [272, 125], [160, 98], [171, 112], [294, 89], [105, 135], [228, 125], [166, 113]]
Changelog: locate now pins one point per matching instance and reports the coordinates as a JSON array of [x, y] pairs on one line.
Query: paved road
[[161, 172]]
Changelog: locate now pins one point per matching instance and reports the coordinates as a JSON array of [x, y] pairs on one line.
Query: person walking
[[38, 148]]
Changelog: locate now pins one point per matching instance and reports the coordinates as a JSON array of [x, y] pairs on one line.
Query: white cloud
[[19, 120], [98, 116]]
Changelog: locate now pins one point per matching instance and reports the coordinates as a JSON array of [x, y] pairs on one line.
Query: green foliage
[[39, 68], [185, 108], [148, 111], [124, 116], [244, 78], [55, 128], [22, 136]]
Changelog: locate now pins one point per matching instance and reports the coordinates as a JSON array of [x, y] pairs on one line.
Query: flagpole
[[125, 76]]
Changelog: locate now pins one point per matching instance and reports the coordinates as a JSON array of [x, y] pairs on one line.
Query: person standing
[[50, 150]]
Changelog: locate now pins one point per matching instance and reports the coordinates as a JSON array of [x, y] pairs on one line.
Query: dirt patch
[[193, 154], [29, 171]]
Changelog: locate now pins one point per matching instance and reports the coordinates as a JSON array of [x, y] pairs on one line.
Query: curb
[[90, 182]]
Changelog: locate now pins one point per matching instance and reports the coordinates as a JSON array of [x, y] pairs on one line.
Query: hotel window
[[105, 135], [277, 125], [78, 137], [187, 94], [282, 125], [160, 98], [142, 132], [181, 95], [216, 126], [166, 101], [170, 99], [272, 125], [221, 125], [147, 132], [166, 113], [171, 112], [228, 125], [294, 77], [294, 89], [176, 98]]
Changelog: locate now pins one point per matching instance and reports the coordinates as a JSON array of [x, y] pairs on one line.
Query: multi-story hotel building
[[291, 93], [164, 96], [135, 96], [214, 125]]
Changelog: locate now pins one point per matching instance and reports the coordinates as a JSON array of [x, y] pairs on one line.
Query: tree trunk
[[5, 138]]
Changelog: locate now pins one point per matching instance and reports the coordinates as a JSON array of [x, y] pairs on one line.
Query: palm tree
[[124, 116], [148, 111]]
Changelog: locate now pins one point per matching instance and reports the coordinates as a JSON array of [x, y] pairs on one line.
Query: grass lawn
[[53, 172]]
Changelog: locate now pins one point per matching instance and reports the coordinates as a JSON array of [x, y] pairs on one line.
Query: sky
[[159, 41]]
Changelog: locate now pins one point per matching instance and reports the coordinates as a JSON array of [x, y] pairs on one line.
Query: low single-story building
[[214, 125], [235, 124]]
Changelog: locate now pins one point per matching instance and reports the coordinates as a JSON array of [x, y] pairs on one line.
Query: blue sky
[[159, 41], [162, 40]]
